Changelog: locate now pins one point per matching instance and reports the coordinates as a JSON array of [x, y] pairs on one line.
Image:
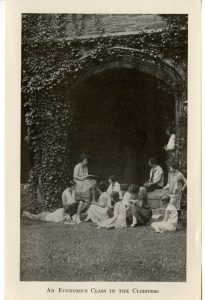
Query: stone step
[[158, 213], [154, 203], [154, 198]]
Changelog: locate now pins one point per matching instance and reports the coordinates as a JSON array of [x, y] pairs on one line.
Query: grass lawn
[[60, 252]]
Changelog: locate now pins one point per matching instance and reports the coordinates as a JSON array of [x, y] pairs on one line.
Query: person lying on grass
[[170, 218], [60, 214], [119, 218]]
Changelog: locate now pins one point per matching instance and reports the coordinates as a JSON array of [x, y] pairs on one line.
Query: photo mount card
[[112, 90]]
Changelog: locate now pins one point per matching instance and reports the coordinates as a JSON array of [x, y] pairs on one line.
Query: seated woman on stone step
[[85, 186], [140, 210], [98, 211], [156, 179]]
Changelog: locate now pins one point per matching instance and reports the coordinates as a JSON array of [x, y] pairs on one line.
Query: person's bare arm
[[76, 175], [116, 212], [64, 199], [73, 195], [185, 183], [166, 215]]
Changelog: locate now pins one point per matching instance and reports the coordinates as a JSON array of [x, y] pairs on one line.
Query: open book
[[91, 177]]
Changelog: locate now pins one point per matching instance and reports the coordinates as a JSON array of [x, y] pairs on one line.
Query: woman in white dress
[[85, 187], [97, 212], [119, 218]]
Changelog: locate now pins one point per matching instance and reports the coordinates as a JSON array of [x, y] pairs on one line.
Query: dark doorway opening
[[121, 120]]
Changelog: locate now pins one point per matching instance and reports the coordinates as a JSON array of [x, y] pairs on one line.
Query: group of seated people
[[117, 205]]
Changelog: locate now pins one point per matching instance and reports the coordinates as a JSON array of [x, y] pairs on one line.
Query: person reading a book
[[85, 185]]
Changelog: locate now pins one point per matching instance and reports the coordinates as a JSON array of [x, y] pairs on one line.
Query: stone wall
[[82, 25], [89, 44]]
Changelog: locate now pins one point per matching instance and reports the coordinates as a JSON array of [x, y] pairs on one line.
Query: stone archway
[[129, 58], [107, 59]]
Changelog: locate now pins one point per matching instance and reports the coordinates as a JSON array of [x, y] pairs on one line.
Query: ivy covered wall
[[52, 63]]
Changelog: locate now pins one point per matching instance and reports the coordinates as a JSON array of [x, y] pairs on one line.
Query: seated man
[[156, 180]]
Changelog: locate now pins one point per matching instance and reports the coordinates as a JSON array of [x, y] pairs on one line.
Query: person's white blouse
[[171, 143], [157, 176], [126, 198], [114, 188], [68, 197], [80, 171]]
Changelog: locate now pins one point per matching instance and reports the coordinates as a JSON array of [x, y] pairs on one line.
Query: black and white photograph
[[103, 181]]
